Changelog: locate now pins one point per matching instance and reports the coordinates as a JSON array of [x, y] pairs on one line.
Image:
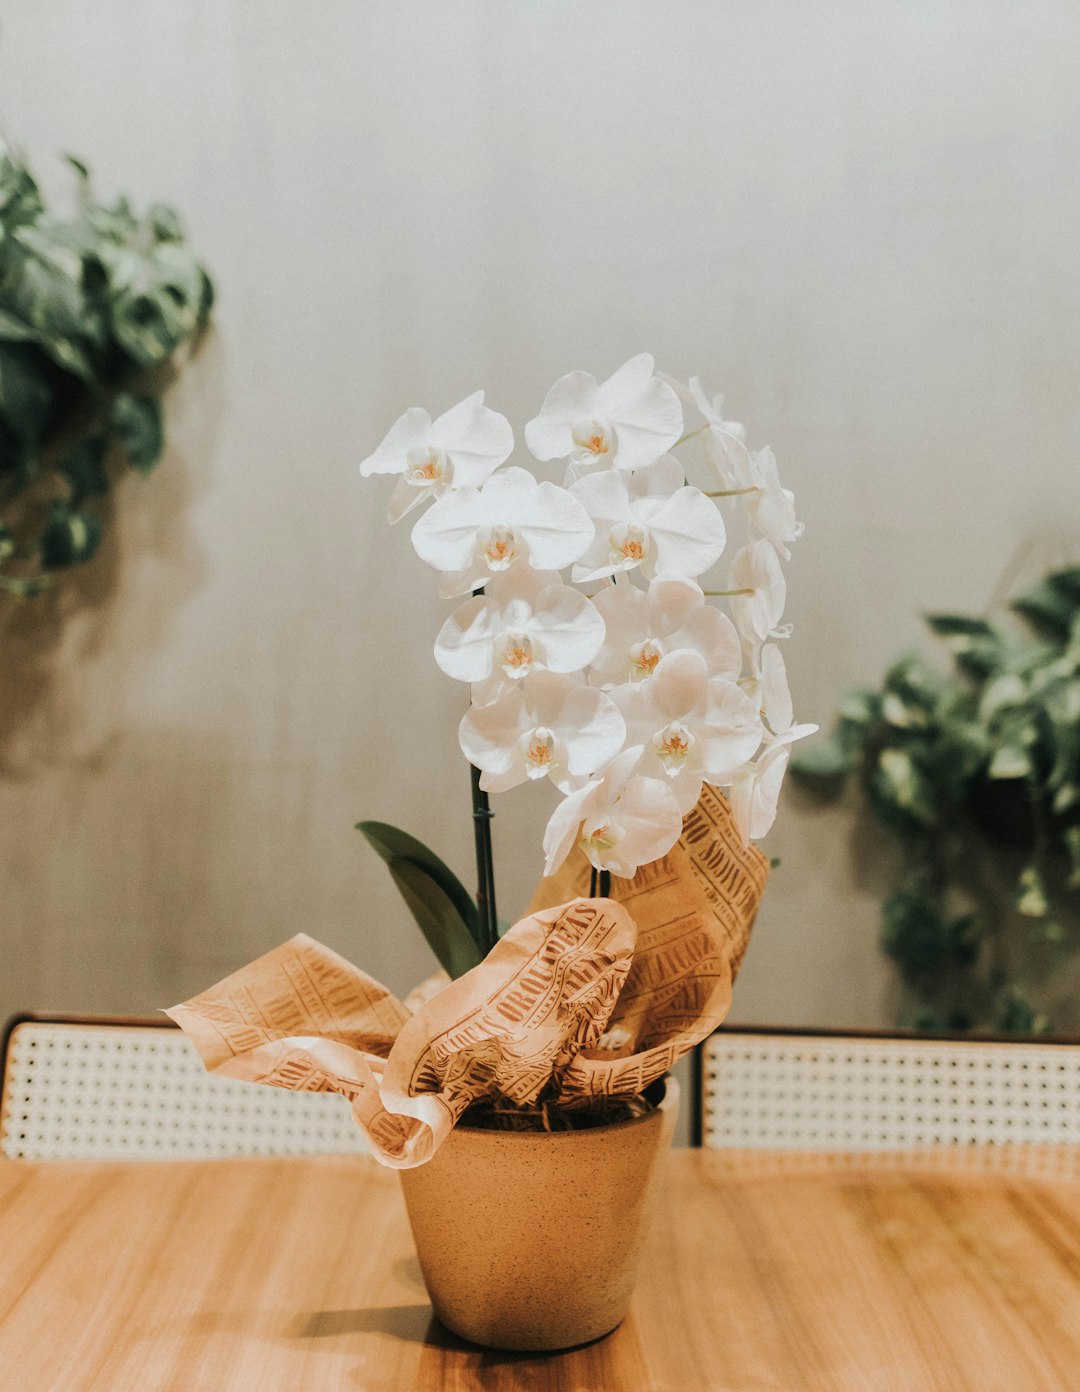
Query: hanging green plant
[[92, 308], [977, 775]]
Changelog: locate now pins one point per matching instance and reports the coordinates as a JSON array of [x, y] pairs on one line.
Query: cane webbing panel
[[110, 1092], [812, 1092]]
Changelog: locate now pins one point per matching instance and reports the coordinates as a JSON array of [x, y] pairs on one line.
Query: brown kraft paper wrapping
[[583, 998]]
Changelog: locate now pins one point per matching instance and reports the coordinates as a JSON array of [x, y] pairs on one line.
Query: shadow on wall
[[48, 645]]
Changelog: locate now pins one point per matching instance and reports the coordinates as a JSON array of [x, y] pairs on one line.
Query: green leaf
[[827, 760], [70, 538], [166, 223], [913, 933], [25, 396], [1047, 609], [14, 330], [1010, 761], [391, 843], [900, 783], [84, 468], [1071, 838], [859, 706], [137, 422], [1031, 898], [446, 931], [959, 625]]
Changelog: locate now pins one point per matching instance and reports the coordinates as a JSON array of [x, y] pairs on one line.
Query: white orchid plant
[[595, 648]]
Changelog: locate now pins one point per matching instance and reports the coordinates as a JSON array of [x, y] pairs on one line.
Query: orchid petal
[[410, 431], [688, 534], [644, 411], [475, 439], [561, 831], [679, 684], [757, 568], [775, 692], [488, 735], [572, 398], [464, 647]]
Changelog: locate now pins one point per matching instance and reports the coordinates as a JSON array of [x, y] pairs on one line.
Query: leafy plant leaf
[[393, 844], [960, 625], [446, 931], [825, 761], [70, 538], [84, 468], [137, 422], [1046, 608]]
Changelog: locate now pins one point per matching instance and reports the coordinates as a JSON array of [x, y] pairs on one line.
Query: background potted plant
[[522, 1092], [977, 775], [94, 307]]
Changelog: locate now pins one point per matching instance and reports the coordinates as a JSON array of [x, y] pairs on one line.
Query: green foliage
[[977, 768], [438, 901], [92, 307]]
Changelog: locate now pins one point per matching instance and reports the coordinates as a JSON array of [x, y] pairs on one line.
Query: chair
[[88, 1088], [780, 1089]]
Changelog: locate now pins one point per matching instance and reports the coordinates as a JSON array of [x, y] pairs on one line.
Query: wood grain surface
[[943, 1273]]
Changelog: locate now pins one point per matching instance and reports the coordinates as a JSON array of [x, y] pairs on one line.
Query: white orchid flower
[[550, 725], [759, 592], [725, 442], [472, 534], [625, 422], [755, 789], [645, 625], [772, 507], [691, 727], [462, 448], [648, 520], [775, 694], [625, 820], [526, 621]]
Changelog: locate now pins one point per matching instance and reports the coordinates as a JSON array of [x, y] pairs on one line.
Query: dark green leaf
[[70, 538], [825, 760], [446, 931], [391, 843], [166, 223], [137, 422], [913, 933], [1047, 609], [957, 625], [25, 395], [84, 468]]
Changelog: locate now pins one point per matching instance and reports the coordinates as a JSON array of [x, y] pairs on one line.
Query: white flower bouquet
[[624, 682]]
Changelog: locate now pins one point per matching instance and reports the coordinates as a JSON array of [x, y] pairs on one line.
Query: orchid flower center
[[673, 745], [515, 654], [600, 835], [592, 437], [540, 752], [427, 467], [644, 657], [498, 547], [629, 541]]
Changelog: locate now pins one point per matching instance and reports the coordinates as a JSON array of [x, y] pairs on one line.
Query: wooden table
[[926, 1274]]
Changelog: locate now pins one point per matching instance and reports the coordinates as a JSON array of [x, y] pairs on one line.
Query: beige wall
[[860, 219]]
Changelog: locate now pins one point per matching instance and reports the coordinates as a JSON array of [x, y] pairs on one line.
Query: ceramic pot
[[531, 1240]]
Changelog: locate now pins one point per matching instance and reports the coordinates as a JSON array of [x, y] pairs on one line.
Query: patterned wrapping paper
[[581, 999]]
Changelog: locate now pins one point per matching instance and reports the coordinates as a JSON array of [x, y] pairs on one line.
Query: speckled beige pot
[[532, 1240]]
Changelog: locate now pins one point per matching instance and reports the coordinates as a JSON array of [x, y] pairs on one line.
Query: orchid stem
[[485, 866], [600, 883], [729, 592], [732, 492]]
